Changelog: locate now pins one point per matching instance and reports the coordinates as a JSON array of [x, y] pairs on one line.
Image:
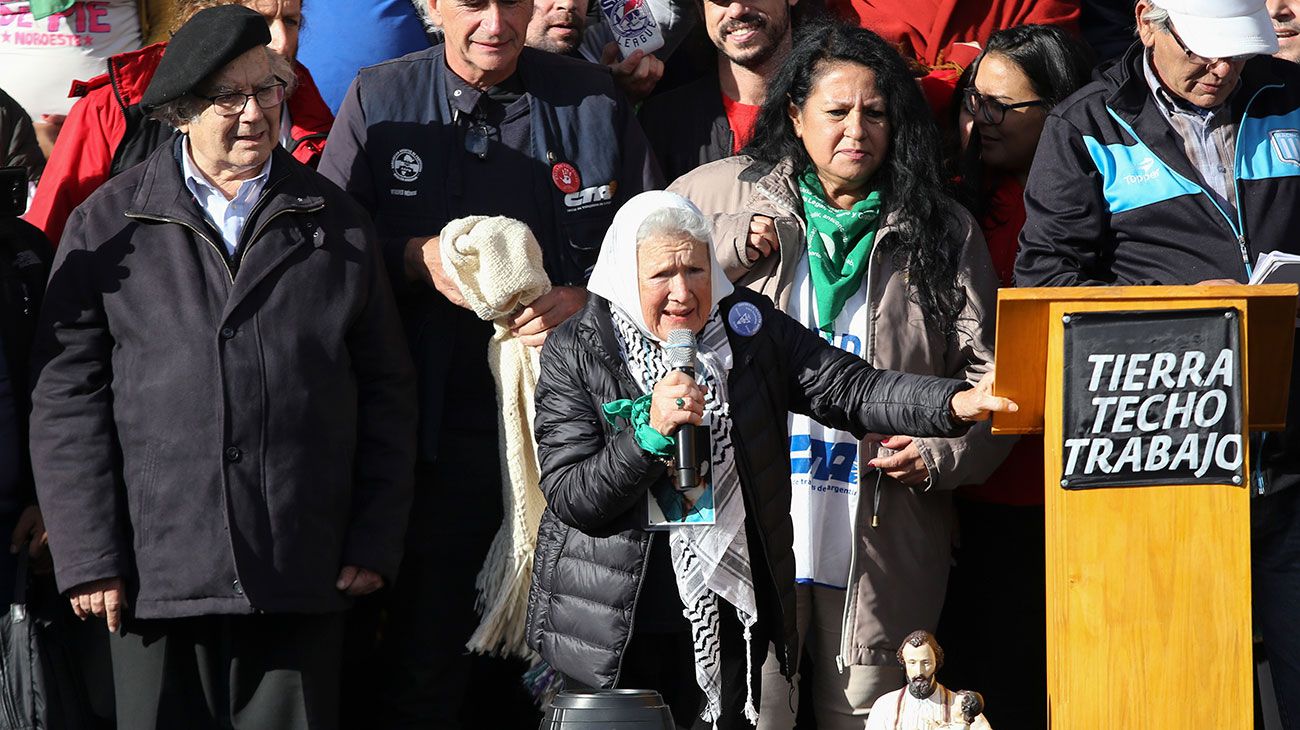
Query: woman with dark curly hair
[[838, 211]]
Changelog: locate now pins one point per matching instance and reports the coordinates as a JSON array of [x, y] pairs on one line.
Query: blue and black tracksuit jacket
[[1113, 199]]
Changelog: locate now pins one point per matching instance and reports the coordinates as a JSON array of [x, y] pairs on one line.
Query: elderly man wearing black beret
[[223, 420]]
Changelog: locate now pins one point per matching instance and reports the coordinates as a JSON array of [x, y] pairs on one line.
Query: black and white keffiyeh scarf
[[711, 562]]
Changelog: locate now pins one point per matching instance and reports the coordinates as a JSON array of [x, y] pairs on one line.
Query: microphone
[[680, 355]]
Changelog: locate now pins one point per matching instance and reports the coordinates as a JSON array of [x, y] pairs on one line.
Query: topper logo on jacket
[[1286, 144], [1146, 172], [407, 165]]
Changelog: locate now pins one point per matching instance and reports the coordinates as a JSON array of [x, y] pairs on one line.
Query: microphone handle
[[687, 474]]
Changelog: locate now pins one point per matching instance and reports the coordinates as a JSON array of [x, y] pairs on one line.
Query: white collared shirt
[[227, 216], [1209, 137], [899, 710]]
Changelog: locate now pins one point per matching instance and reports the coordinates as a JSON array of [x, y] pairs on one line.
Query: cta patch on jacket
[[591, 197], [565, 177], [407, 165], [745, 319]]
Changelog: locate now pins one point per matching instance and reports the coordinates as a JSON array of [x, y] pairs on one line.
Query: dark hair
[[910, 179], [1056, 64], [972, 704], [918, 639]]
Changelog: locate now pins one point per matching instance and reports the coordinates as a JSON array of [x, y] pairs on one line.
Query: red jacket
[[97, 125], [926, 29]]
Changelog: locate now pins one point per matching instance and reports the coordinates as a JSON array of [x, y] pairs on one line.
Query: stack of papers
[[1276, 267]]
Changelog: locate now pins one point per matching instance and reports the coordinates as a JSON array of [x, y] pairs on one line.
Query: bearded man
[[714, 117], [923, 703]]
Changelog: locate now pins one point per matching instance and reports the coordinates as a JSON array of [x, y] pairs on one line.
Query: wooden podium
[[1148, 587]]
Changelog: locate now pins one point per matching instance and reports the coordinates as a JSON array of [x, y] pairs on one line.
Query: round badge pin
[[565, 177], [745, 319]]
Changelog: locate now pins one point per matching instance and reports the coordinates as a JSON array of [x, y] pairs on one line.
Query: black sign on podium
[[1152, 398]]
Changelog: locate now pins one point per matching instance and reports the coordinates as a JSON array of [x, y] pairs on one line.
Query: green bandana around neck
[[849, 233], [42, 9]]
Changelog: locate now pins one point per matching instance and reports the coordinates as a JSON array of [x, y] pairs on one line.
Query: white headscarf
[[615, 274]]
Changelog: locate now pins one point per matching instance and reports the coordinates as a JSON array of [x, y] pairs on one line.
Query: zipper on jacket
[[1236, 177], [625, 382], [167, 219], [225, 260], [1238, 227], [743, 470], [113, 84], [261, 225], [300, 141], [868, 349], [636, 599], [1257, 442]]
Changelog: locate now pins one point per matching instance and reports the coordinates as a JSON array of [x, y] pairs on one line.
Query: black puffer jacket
[[591, 550]]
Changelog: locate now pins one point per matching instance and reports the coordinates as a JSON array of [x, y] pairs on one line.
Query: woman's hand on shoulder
[[979, 403], [676, 400]]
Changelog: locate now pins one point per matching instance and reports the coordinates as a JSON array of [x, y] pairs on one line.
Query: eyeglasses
[[232, 104], [1200, 60], [991, 111]]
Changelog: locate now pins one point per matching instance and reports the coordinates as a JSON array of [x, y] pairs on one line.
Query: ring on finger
[[681, 402]]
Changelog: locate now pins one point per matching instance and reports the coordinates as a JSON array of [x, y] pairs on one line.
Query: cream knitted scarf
[[497, 264]]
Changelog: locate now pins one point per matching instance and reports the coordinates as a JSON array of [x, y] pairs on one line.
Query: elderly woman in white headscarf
[[619, 598]]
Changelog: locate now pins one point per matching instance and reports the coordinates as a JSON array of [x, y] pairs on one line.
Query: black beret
[[203, 46]]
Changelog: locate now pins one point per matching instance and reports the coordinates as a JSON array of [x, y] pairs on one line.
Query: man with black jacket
[[24, 264], [1181, 165], [479, 125], [714, 117], [223, 418]]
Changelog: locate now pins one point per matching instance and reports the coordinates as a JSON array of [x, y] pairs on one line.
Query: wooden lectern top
[[1269, 314]]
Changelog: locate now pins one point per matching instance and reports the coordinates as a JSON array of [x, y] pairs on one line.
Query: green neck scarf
[[849, 233]]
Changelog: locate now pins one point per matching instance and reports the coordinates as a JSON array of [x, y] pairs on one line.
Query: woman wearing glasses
[[837, 211], [996, 586], [1014, 83]]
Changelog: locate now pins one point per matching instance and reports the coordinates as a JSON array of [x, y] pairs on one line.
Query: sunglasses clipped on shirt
[[479, 135], [233, 103], [991, 110]]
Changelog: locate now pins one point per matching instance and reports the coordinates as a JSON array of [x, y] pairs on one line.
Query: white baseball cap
[[1222, 28]]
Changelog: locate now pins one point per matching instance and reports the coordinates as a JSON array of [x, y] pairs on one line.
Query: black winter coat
[[24, 266], [225, 435], [591, 548]]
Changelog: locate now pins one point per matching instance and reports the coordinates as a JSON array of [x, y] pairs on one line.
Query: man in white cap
[[1180, 165]]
